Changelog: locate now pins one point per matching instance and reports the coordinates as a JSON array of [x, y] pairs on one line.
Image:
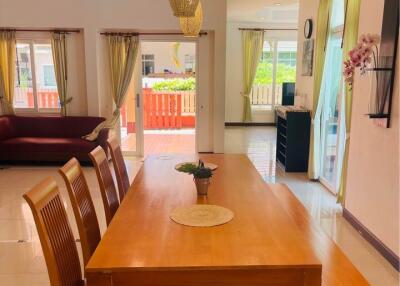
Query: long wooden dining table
[[262, 245]]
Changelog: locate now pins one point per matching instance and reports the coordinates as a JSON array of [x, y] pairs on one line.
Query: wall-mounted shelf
[[383, 76], [379, 69]]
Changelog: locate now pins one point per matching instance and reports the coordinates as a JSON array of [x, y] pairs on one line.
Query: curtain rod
[[127, 34], [260, 29], [64, 31]]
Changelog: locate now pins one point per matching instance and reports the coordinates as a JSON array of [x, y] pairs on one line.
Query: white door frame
[[137, 78], [139, 91]]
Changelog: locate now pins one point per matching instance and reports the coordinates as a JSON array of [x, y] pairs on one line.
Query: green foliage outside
[[177, 84], [284, 73], [23, 78]]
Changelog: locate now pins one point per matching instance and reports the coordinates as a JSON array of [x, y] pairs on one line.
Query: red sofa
[[48, 139]]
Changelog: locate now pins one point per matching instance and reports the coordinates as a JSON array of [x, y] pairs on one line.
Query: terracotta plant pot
[[202, 186]]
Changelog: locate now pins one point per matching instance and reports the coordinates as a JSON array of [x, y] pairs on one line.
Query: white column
[[204, 94], [219, 89], [91, 39]]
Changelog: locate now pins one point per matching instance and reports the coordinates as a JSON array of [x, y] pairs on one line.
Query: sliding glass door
[[130, 128], [332, 137], [330, 112]]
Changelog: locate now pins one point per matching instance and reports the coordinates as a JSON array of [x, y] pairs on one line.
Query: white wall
[[234, 67], [308, 9], [94, 16], [373, 172], [373, 189], [77, 76], [163, 55]]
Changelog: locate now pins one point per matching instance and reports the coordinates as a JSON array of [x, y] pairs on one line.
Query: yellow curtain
[[350, 36], [122, 53], [253, 42], [320, 49], [59, 48], [175, 54], [7, 71]]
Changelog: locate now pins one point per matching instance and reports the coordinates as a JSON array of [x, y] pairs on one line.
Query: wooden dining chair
[[119, 167], [55, 234], [82, 204], [106, 182]]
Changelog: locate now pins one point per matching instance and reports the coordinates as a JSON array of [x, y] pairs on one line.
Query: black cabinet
[[293, 140]]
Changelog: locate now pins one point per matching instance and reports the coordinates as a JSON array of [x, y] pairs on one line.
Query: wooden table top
[[141, 235], [337, 270]]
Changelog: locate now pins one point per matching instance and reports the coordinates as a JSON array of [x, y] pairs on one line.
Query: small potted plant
[[201, 176]]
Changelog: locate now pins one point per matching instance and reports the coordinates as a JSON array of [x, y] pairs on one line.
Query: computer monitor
[[288, 89]]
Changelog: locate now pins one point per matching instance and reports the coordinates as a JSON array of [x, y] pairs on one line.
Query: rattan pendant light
[[184, 8], [191, 26]]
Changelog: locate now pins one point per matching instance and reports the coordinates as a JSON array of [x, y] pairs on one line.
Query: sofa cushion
[[50, 145], [7, 128], [54, 126]]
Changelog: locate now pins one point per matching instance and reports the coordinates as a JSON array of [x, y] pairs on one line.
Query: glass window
[[49, 76], [147, 64], [331, 88], [190, 66], [285, 67], [337, 18], [35, 84], [272, 72], [23, 93], [261, 94]]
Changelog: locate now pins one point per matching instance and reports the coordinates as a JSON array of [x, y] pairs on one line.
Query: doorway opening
[[165, 100]]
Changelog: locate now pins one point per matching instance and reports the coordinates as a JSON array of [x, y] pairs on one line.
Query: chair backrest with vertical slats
[[83, 207], [106, 182], [55, 234], [119, 166]]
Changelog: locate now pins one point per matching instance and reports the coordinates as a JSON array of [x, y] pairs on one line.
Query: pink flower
[[361, 56], [366, 51], [348, 71], [369, 39], [355, 57], [359, 46], [368, 60], [363, 39]]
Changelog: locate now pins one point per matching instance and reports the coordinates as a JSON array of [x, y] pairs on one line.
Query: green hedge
[[284, 73], [177, 84]]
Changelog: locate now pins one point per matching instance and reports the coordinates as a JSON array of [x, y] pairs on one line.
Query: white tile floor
[[259, 143], [22, 262]]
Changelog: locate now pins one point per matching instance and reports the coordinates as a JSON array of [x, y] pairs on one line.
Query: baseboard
[[250, 124], [388, 254]]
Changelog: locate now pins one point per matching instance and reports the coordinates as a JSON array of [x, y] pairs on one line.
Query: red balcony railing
[[163, 110], [24, 98]]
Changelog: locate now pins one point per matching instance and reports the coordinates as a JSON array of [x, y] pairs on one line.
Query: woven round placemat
[[201, 215]]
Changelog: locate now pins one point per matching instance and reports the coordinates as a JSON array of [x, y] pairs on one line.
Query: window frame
[[31, 40], [190, 61], [144, 61], [44, 76], [273, 56]]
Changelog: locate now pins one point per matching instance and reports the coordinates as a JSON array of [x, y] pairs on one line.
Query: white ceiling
[[263, 11]]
